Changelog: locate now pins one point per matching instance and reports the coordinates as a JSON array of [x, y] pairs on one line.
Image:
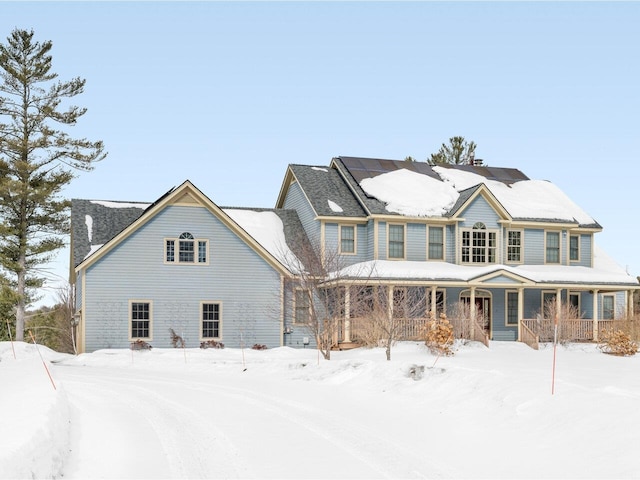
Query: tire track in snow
[[191, 446], [365, 445], [196, 444]]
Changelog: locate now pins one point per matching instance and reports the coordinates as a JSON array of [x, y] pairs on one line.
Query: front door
[[483, 309]]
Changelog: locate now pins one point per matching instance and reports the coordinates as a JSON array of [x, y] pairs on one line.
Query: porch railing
[[534, 330], [411, 329]]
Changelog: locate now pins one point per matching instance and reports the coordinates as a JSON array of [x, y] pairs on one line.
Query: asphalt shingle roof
[[322, 184]]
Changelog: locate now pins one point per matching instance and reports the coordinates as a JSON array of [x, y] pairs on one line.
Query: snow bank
[[35, 421]]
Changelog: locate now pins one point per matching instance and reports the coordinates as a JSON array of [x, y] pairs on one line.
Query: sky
[[227, 95], [503, 412]]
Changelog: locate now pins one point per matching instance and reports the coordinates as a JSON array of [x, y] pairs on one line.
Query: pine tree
[[37, 160], [458, 152]]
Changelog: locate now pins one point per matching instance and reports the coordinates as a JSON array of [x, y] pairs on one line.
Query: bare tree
[[389, 314], [568, 317]]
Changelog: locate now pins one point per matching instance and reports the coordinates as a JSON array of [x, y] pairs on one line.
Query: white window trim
[[355, 239], [487, 230], [220, 323], [176, 251], [404, 240], [150, 337], [559, 232], [602, 297], [444, 243], [506, 248]]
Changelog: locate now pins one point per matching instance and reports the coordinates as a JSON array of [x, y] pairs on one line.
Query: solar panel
[[361, 168]]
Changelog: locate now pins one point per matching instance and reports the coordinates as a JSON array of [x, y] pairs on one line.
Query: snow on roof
[[111, 204], [415, 194], [267, 229], [335, 207], [605, 271], [411, 193], [538, 199]]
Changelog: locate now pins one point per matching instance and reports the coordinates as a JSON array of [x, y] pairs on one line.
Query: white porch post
[[347, 314], [595, 315], [472, 311], [433, 308], [520, 310], [390, 301]]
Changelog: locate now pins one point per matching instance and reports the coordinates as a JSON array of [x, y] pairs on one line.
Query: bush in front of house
[[140, 345], [176, 340], [617, 342], [439, 336], [211, 344], [258, 346]]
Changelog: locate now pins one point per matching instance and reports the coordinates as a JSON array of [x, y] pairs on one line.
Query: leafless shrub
[[439, 336], [631, 326], [258, 346], [618, 342], [211, 344], [568, 317], [388, 316], [176, 340], [459, 316], [140, 345]]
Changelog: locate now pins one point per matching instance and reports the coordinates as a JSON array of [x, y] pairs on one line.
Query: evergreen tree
[[37, 160], [458, 152]]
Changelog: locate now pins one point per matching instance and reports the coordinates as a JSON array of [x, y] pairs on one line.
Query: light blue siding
[[451, 243], [332, 238], [586, 247], [502, 279], [533, 246], [382, 240], [416, 246], [480, 211], [295, 200], [135, 270]]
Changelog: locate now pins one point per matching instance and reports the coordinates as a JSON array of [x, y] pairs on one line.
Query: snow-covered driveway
[[226, 422], [283, 413]]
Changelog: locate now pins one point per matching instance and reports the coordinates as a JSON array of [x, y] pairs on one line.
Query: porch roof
[[606, 272]]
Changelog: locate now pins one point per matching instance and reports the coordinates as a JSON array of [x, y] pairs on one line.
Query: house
[[485, 237]]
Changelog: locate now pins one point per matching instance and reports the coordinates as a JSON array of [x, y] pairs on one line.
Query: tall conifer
[[37, 160]]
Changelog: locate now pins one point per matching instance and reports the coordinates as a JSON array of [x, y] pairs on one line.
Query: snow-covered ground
[[285, 413]]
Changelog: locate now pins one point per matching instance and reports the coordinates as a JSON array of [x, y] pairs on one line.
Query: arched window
[[479, 245], [190, 249]]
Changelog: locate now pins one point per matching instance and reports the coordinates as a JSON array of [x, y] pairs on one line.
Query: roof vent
[[476, 162]]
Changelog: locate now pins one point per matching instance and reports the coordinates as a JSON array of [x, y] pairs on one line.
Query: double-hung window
[[574, 248], [302, 306], [396, 241], [211, 320], [514, 246], [140, 320], [479, 245], [186, 249], [347, 239], [552, 247], [436, 243]]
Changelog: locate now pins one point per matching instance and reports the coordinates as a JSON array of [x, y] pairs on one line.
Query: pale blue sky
[[228, 94]]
